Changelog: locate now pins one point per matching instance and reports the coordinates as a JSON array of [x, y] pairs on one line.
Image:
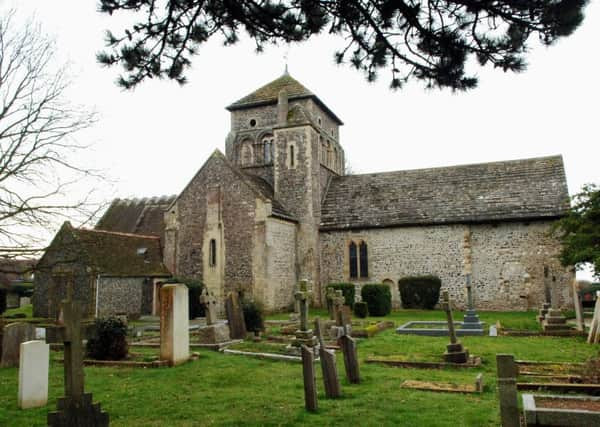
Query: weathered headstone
[[310, 381], [304, 335], [579, 323], [329, 298], [337, 302], [208, 300], [507, 390], [174, 324], [12, 336], [348, 345], [235, 316], [328, 365], [33, 374], [23, 301], [76, 407], [594, 333], [455, 353]]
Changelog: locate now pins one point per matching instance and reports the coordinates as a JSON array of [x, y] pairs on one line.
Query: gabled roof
[[511, 190], [136, 216], [259, 186], [269, 93], [106, 253]]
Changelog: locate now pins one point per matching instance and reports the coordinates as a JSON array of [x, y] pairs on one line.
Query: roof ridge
[[117, 233], [436, 168]]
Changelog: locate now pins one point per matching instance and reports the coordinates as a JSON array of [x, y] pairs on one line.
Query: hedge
[[347, 289], [109, 341], [378, 298], [361, 309], [420, 291], [253, 316]]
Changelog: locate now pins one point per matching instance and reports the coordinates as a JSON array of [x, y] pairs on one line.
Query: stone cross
[[76, 407], [469, 292], [447, 307], [338, 302], [210, 306], [302, 295]]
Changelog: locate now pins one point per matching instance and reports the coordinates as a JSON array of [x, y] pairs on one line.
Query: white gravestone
[[33, 374], [174, 324]]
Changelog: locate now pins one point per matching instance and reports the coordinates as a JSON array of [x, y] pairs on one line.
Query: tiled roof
[[269, 93], [137, 216], [266, 190], [510, 190], [121, 254]]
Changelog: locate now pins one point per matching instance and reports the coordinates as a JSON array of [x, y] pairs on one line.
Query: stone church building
[[277, 207]]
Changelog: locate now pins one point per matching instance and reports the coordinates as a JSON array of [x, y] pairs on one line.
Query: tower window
[[212, 253], [252, 123]]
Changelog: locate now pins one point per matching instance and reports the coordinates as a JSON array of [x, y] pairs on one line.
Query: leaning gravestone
[[328, 365], [455, 353], [174, 324], [13, 335], [33, 374], [235, 317], [76, 408], [310, 381]]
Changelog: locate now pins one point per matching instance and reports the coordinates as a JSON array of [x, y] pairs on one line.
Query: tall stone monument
[[304, 335], [471, 318], [76, 408], [174, 324]]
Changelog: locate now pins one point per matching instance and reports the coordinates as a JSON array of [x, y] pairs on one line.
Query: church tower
[[286, 135]]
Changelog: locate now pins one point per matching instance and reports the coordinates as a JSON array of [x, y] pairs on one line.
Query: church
[[277, 207]]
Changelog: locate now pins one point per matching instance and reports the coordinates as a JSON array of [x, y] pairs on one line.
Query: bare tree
[[37, 145]]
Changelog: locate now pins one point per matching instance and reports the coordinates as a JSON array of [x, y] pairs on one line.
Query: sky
[[152, 140]]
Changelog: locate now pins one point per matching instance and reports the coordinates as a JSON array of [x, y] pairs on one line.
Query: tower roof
[[268, 94]]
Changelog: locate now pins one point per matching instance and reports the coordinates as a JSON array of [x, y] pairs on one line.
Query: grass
[[231, 390]]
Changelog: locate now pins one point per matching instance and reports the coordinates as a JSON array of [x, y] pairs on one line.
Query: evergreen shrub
[[361, 309], [109, 341], [378, 298], [253, 315], [195, 287], [348, 291], [420, 291]]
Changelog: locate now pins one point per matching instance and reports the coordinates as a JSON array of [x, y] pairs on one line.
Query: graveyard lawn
[[220, 389]]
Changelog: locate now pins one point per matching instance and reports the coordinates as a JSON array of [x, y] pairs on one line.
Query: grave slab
[[33, 374]]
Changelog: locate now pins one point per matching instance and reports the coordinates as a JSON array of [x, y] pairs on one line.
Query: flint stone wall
[[509, 261], [118, 295]]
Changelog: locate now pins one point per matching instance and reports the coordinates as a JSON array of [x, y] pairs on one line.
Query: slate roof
[[136, 216], [269, 93], [511, 190], [266, 190], [121, 254]]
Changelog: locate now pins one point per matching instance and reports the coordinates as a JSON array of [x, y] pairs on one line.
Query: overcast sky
[[152, 140]]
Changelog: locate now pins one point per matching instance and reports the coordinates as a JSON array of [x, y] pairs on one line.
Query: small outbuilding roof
[[143, 216], [268, 94], [510, 190], [110, 253]]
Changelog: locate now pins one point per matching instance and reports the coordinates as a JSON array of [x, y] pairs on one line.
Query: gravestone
[[507, 390], [304, 335], [329, 298], [76, 407], [328, 365], [471, 318], [208, 300], [455, 353], [174, 324], [310, 381], [579, 323], [337, 302], [348, 345], [23, 301], [33, 374], [235, 317], [12, 336]]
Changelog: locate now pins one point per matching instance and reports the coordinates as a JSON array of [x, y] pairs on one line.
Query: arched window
[[247, 157], [212, 253], [363, 260], [267, 141], [353, 259]]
